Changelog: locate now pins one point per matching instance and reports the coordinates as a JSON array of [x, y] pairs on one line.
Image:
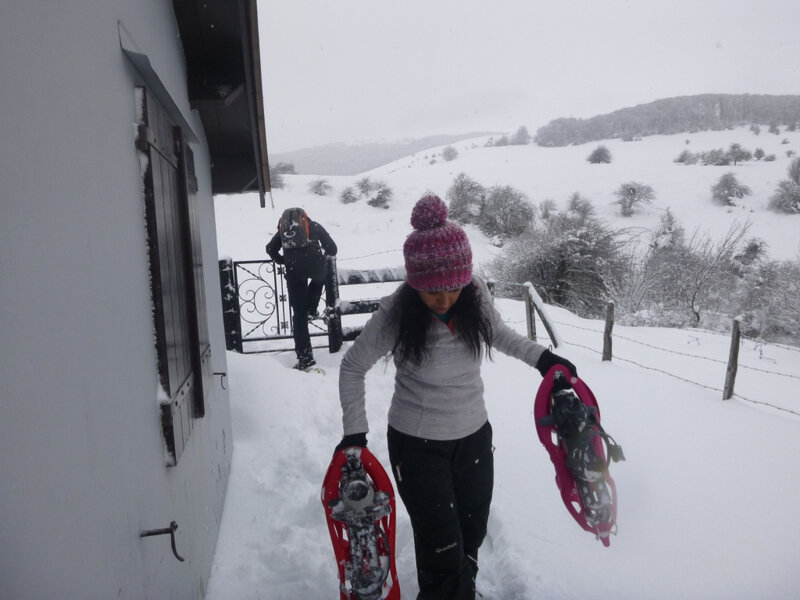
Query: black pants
[[446, 487], [304, 295]]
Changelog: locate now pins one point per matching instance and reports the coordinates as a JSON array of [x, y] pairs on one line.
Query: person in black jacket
[[305, 244]]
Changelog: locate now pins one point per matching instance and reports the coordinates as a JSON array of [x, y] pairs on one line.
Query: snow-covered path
[[707, 499]]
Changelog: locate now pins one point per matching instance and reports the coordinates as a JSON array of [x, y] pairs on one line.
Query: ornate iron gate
[[256, 311], [258, 318]]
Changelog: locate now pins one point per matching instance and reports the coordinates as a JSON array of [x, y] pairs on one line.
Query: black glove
[[354, 439], [276, 256], [548, 359]]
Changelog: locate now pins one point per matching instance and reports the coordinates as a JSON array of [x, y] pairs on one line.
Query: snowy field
[[709, 493]]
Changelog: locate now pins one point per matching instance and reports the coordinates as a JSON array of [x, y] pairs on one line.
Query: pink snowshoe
[[568, 425]]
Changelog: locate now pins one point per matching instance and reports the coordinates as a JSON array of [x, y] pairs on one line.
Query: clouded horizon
[[365, 70]]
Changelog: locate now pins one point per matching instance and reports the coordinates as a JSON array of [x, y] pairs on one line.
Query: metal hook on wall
[[222, 377], [167, 530]]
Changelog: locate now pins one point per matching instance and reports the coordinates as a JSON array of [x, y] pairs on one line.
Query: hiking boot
[[304, 362]]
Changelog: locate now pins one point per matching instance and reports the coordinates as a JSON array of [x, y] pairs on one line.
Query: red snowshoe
[[358, 498], [568, 425]]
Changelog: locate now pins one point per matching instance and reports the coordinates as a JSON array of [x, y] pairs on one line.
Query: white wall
[[81, 453]]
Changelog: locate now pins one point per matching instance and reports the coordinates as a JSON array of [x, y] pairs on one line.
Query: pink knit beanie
[[437, 253]]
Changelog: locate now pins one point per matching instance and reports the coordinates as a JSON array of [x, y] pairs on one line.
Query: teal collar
[[444, 318]]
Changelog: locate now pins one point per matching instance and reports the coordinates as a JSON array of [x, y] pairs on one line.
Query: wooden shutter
[[201, 347], [174, 248]]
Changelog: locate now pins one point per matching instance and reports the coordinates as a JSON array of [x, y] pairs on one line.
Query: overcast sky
[[366, 70]]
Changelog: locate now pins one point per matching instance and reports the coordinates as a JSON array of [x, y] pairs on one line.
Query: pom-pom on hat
[[437, 253]]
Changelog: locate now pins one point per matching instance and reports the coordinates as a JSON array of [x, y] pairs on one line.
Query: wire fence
[[670, 351], [688, 355], [346, 258]]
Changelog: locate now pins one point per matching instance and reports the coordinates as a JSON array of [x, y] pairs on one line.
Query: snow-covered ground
[[709, 492]]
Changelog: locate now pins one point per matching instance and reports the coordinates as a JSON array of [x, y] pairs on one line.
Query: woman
[[437, 326]]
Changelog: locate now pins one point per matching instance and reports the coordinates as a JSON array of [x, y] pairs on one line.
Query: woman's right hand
[[352, 440]]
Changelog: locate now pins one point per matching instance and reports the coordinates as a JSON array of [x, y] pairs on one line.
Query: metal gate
[[258, 318]]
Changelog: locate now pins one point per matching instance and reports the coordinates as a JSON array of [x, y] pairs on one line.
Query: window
[[176, 269]]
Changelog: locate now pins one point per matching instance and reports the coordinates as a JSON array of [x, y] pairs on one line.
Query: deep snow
[[708, 494]]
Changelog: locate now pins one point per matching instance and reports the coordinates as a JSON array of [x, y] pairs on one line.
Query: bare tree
[[706, 267]]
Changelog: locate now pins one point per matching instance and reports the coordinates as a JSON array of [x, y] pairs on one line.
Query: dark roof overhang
[[220, 42]]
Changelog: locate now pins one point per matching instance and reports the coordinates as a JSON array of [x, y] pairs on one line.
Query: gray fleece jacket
[[441, 399]]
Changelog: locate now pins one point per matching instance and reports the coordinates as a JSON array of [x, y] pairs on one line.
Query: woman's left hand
[[548, 360]]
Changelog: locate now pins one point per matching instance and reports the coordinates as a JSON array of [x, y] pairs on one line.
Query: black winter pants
[[304, 297], [446, 487]]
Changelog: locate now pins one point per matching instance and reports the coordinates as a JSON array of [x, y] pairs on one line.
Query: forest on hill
[[705, 112]]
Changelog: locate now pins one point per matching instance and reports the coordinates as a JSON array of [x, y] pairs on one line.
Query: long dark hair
[[414, 320]]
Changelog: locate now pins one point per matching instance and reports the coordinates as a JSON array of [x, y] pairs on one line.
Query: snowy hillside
[[708, 495], [555, 173]]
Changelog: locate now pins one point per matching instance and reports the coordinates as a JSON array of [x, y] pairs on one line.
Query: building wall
[[81, 454]]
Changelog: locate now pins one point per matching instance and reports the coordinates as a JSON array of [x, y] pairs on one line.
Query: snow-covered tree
[[505, 212], [580, 206], [768, 298], [320, 187], [632, 193], [276, 179], [364, 186], [449, 153], [382, 194], [669, 234], [786, 198], [547, 208], [737, 154], [571, 258], [348, 195], [599, 155], [501, 141], [728, 189], [284, 168], [521, 137], [793, 171], [465, 199]]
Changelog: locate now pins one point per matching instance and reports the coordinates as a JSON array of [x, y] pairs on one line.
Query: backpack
[[294, 227]]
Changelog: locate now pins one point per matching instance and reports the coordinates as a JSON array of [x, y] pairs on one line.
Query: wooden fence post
[[733, 361], [534, 298], [530, 316], [607, 332]]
